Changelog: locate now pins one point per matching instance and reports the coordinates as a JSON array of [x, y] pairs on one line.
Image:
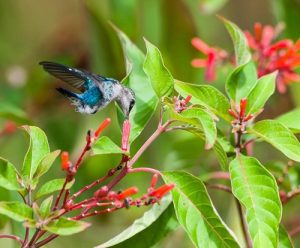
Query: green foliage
[[45, 207], [207, 96], [9, 178], [207, 124], [284, 238], [241, 81], [147, 230], [105, 145], [46, 164], [242, 53], [64, 226], [257, 190], [259, 95], [291, 120], [160, 77], [17, 211], [278, 136], [196, 213], [38, 149], [136, 79], [52, 186]]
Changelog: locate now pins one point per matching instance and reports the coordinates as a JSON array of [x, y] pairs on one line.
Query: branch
[[243, 224], [7, 236]]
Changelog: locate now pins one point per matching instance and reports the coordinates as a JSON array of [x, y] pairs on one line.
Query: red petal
[[65, 160], [200, 45], [267, 36], [102, 126], [210, 73], [258, 31], [125, 135], [199, 63], [127, 192], [251, 40]]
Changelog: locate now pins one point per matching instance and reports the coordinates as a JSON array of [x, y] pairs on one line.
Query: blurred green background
[[78, 34]]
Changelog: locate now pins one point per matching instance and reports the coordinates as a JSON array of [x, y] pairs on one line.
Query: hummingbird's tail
[[69, 94]]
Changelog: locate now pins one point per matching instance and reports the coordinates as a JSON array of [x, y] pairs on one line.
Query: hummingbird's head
[[126, 100]]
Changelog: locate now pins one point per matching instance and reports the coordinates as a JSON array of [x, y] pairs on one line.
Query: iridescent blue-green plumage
[[95, 91]]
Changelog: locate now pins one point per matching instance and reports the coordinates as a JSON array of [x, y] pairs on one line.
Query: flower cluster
[[240, 116], [269, 54], [181, 104], [272, 55], [104, 199], [214, 56]]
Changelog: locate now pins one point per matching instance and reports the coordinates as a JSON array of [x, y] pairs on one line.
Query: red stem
[[60, 194], [144, 169], [7, 236]]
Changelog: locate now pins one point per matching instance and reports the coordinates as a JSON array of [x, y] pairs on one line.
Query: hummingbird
[[96, 91]]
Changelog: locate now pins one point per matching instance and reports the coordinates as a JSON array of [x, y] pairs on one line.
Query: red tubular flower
[[214, 55], [102, 126], [127, 192], [125, 135], [282, 56], [243, 105], [154, 180], [65, 162], [187, 99], [162, 190]]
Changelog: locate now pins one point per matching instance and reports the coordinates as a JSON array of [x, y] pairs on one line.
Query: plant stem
[[118, 178], [26, 237], [144, 169], [218, 175], [46, 240], [7, 236], [93, 184], [60, 194], [219, 186], [243, 224]]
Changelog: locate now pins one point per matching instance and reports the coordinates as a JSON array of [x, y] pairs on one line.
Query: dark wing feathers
[[72, 76]]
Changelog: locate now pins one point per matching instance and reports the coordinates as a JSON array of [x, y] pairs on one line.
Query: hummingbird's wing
[[74, 77]]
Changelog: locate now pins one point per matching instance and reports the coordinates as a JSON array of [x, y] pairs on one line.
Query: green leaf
[[64, 226], [38, 149], [263, 89], [12, 112], [278, 136], [45, 207], [207, 123], [207, 96], [46, 163], [160, 77], [52, 186], [256, 189], [147, 230], [284, 238], [8, 175], [105, 145], [17, 211], [241, 49], [241, 81], [291, 120], [146, 99], [196, 213]]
